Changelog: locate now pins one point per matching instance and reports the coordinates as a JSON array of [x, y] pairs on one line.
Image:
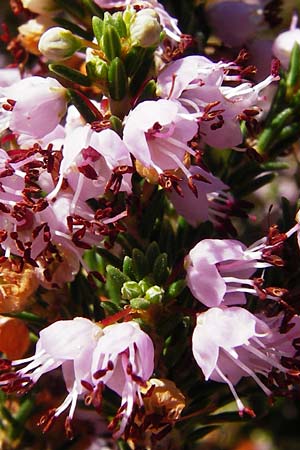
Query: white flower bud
[[59, 44], [31, 32], [40, 6], [284, 43], [145, 29]]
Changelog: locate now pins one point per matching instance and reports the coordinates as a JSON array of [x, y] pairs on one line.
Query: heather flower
[[47, 235], [58, 43], [206, 205], [39, 105], [55, 139], [284, 43], [231, 343], [89, 158], [219, 271], [157, 133], [68, 344], [197, 83], [145, 28], [187, 72], [123, 360]]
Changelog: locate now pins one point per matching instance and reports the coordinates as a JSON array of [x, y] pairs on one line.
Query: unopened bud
[[97, 69], [146, 283], [284, 43], [154, 294], [130, 290], [145, 29], [59, 44]]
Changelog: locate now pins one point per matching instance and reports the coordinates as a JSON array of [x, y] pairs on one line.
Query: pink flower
[[231, 343], [123, 361], [40, 105], [68, 344], [204, 206], [219, 271], [198, 84], [284, 42], [187, 73], [44, 233], [89, 158], [157, 133], [120, 356]]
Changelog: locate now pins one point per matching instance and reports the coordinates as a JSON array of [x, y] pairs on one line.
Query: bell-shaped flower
[[284, 43], [219, 271], [187, 73], [123, 360], [157, 134], [89, 158], [197, 83], [39, 105], [46, 232], [206, 204], [231, 343], [68, 344]]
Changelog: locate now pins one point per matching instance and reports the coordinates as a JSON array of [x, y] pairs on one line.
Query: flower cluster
[[91, 357], [132, 157]]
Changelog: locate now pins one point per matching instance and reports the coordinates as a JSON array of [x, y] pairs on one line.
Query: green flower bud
[[154, 294], [58, 44], [130, 290], [97, 69], [145, 28], [146, 283]]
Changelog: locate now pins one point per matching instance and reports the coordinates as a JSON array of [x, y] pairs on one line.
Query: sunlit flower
[[39, 105], [219, 271], [157, 133], [123, 361], [203, 206], [284, 43], [68, 344], [196, 82], [89, 158], [231, 343]]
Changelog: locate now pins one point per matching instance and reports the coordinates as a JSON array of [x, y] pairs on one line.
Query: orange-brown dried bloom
[[16, 287]]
